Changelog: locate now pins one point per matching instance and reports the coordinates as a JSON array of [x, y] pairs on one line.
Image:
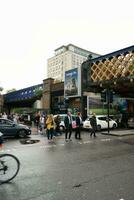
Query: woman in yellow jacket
[[50, 126]]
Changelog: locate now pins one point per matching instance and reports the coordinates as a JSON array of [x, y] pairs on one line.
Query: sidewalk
[[119, 132], [34, 130]]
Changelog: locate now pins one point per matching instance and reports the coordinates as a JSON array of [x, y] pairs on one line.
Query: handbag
[[73, 125]]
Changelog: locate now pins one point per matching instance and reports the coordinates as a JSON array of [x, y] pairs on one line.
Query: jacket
[[66, 122], [49, 123]]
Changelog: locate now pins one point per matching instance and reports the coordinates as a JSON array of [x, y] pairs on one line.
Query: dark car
[[10, 128]]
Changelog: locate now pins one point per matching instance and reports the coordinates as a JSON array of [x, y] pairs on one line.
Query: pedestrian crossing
[[55, 143]]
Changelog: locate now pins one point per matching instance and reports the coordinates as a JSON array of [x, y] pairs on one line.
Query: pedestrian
[[79, 125], [57, 125], [68, 126], [50, 126], [37, 120], [15, 118], [4, 115], [42, 124], [1, 140], [93, 123]]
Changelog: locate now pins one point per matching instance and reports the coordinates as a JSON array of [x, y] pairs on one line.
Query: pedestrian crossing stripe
[[55, 145]]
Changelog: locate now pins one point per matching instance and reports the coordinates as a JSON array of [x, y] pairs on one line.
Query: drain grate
[[28, 141]]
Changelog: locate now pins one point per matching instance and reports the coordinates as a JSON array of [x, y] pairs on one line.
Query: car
[[62, 125], [102, 123], [131, 122], [25, 119], [10, 128]]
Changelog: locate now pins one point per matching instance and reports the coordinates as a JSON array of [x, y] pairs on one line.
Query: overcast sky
[[30, 31]]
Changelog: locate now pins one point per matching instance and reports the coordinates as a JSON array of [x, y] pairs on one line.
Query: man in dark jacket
[[78, 126], [68, 126], [93, 123]]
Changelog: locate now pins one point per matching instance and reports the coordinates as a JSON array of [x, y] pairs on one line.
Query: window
[[102, 118]]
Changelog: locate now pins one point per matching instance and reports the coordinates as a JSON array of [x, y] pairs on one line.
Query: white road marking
[[62, 144], [104, 140], [54, 145], [87, 142]]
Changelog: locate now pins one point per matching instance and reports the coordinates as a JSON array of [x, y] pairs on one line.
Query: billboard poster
[[72, 83]]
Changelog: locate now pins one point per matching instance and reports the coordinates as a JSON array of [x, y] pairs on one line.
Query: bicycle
[[9, 167]]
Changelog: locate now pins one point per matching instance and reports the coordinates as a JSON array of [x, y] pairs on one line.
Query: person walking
[[93, 123], [37, 120], [1, 140], [42, 124], [4, 115], [78, 126], [50, 126], [68, 126], [57, 122]]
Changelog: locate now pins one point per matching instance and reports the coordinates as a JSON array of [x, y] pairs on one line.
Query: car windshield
[[4, 121]]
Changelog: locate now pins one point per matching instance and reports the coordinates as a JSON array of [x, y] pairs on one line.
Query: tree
[[1, 89], [38, 92], [11, 90]]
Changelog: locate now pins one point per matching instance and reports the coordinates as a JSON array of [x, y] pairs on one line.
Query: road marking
[[55, 145], [8, 150], [80, 143], [105, 140], [87, 142], [62, 144]]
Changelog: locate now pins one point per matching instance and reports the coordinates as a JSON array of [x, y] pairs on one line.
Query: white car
[[62, 125], [102, 123]]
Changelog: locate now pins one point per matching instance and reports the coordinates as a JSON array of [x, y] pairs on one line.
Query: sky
[[30, 31]]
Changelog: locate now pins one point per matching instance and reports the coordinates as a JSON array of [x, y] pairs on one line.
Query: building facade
[[66, 58], [1, 102]]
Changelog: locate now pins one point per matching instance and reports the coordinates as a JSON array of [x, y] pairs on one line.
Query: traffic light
[[107, 96]]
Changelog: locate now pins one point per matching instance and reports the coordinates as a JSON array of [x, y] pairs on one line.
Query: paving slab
[[119, 132]]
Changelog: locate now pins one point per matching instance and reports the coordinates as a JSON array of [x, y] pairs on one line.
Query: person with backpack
[[57, 122], [93, 123]]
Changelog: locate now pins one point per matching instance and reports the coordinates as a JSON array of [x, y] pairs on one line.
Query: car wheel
[[98, 127], [22, 134], [114, 126]]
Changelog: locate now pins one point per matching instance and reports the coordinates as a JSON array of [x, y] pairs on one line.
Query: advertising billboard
[[72, 83]]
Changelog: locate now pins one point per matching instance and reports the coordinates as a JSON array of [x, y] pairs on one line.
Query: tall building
[[66, 58]]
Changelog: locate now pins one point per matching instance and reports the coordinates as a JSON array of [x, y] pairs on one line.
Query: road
[[91, 169]]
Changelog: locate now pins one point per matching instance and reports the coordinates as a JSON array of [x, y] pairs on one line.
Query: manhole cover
[[28, 141]]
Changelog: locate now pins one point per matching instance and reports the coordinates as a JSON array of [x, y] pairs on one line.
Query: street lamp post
[[107, 96], [85, 79], [108, 107]]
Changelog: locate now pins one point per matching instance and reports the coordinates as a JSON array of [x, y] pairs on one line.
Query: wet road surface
[[99, 168]]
